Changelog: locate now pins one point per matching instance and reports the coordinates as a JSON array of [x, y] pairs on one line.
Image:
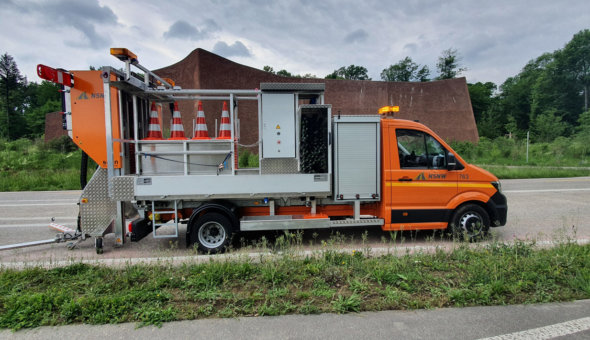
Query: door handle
[[404, 179]]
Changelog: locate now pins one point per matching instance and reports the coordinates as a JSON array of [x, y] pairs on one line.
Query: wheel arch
[[223, 207], [471, 198]]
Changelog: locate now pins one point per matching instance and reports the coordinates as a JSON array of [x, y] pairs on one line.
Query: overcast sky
[[494, 38]]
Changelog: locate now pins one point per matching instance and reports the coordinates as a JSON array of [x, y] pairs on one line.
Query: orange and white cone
[[177, 130], [154, 129], [225, 127], [201, 132]]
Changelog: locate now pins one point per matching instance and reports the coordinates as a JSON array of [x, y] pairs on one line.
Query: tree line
[[548, 98], [23, 104], [448, 66]]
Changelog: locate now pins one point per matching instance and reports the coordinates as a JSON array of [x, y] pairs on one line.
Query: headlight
[[498, 186]]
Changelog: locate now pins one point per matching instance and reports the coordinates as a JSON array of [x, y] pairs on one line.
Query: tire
[[212, 233], [470, 222]]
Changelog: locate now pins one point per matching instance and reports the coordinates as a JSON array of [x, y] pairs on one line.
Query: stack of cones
[[154, 130], [201, 131], [177, 130], [225, 127]]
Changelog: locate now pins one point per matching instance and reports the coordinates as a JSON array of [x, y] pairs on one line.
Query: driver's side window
[[419, 150]]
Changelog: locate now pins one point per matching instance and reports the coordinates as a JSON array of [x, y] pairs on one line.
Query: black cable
[[84, 170], [175, 161]]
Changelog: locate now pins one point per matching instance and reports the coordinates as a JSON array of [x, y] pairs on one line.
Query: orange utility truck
[[316, 170]]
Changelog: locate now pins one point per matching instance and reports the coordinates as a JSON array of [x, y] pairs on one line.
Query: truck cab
[[427, 185]]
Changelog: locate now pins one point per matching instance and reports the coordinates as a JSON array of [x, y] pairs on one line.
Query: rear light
[[130, 227], [57, 76]]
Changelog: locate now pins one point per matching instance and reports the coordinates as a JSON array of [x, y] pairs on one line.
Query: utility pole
[[527, 146]]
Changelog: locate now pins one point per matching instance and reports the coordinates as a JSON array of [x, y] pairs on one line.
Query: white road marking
[[38, 204], [37, 218], [547, 332], [39, 200], [28, 225], [545, 190]]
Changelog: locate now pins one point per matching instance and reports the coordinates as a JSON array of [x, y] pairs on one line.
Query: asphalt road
[[540, 209]]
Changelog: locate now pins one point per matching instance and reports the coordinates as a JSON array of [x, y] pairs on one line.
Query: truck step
[[356, 223], [286, 222], [282, 222]]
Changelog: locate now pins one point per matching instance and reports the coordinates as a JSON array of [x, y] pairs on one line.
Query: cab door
[[421, 185]]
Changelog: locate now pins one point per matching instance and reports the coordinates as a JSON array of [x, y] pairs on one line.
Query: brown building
[[443, 105], [54, 126]]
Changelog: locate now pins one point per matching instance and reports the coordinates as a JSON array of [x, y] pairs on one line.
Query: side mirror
[[451, 161]]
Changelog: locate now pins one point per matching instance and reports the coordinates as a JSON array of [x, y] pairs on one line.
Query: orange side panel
[[88, 123]]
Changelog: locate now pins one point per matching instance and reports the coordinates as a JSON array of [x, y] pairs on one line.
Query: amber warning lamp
[[388, 110], [124, 54]]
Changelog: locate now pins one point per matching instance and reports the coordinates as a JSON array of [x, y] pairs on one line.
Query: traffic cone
[[225, 127], [154, 130], [201, 132], [177, 129]]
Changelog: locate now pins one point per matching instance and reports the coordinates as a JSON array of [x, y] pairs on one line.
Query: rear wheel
[[211, 232], [470, 222]]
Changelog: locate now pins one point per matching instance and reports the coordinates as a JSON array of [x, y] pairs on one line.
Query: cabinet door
[[278, 125]]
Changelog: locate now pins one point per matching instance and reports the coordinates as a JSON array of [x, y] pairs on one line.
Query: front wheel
[[470, 222], [212, 232]]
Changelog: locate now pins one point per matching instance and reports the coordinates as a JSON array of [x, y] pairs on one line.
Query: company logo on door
[[421, 176], [96, 95]]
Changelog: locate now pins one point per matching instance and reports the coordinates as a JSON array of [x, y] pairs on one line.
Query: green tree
[[547, 126], [351, 72], [448, 64], [576, 60], [12, 85], [482, 97], [285, 73], [35, 117], [40, 99], [405, 70], [516, 94]]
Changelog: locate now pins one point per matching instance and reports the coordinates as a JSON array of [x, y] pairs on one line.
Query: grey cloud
[[237, 49], [410, 48], [11, 4], [211, 26], [183, 30], [89, 10], [94, 39], [83, 16], [359, 35]]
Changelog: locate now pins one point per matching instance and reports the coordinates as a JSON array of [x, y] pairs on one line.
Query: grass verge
[[505, 172], [40, 180], [330, 281]]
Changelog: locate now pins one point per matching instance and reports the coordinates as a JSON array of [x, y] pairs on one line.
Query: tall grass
[[563, 151], [33, 165], [505, 172], [287, 283]]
